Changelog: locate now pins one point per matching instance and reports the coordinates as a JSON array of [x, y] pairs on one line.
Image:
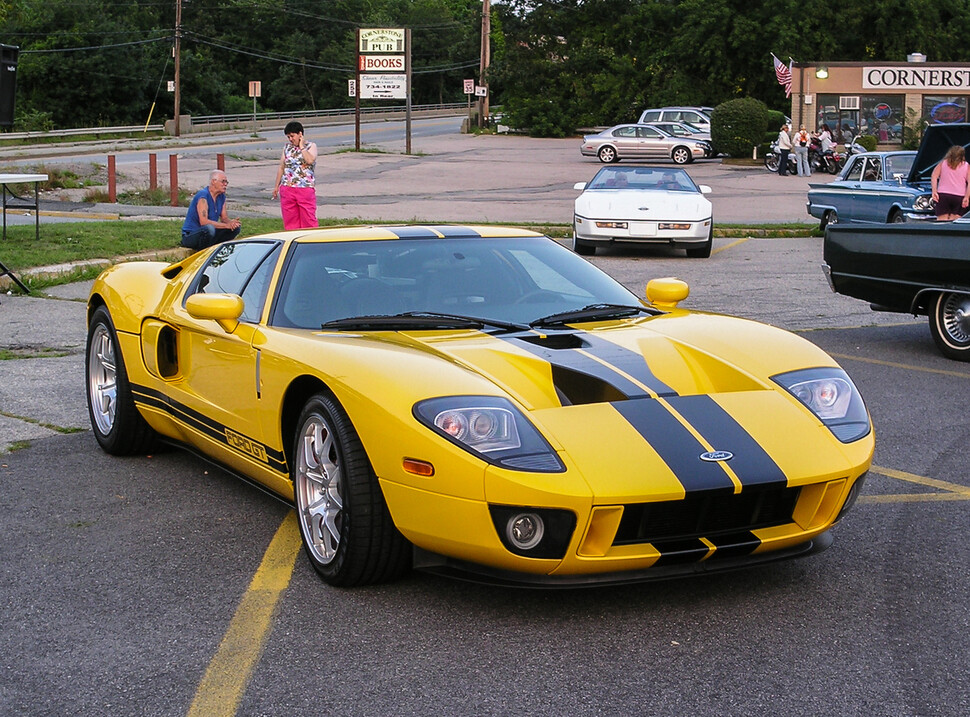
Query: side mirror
[[580, 186], [224, 309], [704, 189], [667, 292]]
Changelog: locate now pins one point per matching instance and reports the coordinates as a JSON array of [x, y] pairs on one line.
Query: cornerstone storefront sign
[[933, 79]]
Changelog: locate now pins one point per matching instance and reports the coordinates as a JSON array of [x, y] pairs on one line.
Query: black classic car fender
[[921, 269]]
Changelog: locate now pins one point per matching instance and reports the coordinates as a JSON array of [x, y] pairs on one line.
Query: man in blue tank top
[[206, 222]]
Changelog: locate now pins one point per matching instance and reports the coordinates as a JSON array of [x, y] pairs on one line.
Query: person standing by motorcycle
[[801, 142], [951, 185], [784, 149]]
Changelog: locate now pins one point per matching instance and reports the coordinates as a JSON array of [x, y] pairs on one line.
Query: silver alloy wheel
[[318, 478], [102, 379]]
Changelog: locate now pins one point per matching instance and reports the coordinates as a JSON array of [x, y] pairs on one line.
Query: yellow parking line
[[732, 244], [226, 678], [922, 480], [907, 366]]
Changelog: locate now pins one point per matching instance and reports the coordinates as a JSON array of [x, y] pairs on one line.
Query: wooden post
[[173, 171], [152, 171], [221, 162], [112, 180]]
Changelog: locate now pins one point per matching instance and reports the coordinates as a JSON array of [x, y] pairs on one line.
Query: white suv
[[700, 117]]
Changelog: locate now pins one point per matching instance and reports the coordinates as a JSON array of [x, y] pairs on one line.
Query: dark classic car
[[920, 269], [880, 187]]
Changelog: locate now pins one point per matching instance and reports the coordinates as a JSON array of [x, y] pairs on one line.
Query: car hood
[[937, 139], [639, 204], [638, 387]]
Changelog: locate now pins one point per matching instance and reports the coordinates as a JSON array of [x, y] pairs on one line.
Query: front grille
[[708, 515]]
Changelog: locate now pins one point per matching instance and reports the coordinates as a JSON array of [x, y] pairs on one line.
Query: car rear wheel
[[583, 248], [118, 426], [681, 155], [703, 251], [830, 217], [346, 528], [607, 154], [950, 325]]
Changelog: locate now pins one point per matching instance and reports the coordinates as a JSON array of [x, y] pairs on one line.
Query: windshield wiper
[[592, 312], [419, 320]]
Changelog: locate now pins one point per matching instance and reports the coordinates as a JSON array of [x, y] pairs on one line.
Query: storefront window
[[843, 124], [882, 117], [938, 109]]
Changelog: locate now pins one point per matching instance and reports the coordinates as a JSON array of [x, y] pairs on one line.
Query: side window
[[625, 132], [855, 170], [873, 170], [230, 269], [650, 133], [254, 295], [653, 116]]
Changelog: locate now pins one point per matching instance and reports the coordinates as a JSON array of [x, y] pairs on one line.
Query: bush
[[867, 141], [737, 126]]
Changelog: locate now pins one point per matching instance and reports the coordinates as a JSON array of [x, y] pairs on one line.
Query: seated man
[[669, 181], [206, 222]]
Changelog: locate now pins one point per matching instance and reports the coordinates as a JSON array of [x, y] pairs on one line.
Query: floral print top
[[296, 172]]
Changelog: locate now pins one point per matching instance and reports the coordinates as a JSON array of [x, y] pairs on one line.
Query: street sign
[[382, 40], [255, 89], [381, 63], [383, 87], [481, 91], [469, 87], [351, 88]]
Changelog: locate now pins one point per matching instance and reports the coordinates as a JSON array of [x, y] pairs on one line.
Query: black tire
[[607, 154], [830, 217], [771, 162], [896, 217], [681, 155], [703, 251], [950, 325], [347, 531], [583, 248], [118, 426]]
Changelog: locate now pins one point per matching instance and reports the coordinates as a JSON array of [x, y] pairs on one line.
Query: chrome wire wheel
[[102, 379], [318, 489], [955, 318]]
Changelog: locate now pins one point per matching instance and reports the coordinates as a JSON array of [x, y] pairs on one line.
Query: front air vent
[[575, 388]]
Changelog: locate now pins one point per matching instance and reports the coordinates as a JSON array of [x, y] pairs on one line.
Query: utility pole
[[177, 52], [485, 59]]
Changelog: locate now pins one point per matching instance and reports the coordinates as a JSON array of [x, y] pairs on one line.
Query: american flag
[[783, 74]]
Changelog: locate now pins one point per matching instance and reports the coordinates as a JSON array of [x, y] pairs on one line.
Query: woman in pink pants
[[295, 181]]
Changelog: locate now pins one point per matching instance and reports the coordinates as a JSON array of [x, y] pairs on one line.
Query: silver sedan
[[635, 141]]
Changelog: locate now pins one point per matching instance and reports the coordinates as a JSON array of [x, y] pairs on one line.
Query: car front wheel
[[681, 155], [607, 154], [950, 325], [583, 248], [118, 426], [704, 250], [346, 528]]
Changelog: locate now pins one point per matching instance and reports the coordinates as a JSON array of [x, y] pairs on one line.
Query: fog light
[[677, 226], [525, 530], [611, 225]]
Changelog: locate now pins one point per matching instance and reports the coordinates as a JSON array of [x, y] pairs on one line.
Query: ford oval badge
[[715, 456]]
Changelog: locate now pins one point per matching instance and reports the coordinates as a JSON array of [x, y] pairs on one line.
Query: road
[[159, 585]]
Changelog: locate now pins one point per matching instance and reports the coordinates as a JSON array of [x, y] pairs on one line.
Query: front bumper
[[635, 231]]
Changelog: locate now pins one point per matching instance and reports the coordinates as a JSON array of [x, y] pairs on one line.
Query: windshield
[[649, 178], [899, 164], [514, 280]]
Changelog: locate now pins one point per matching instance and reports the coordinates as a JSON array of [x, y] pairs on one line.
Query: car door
[[873, 198], [627, 142], [217, 389], [654, 144]]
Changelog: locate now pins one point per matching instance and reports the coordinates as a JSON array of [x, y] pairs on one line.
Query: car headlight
[[830, 394], [923, 203], [611, 225], [491, 428], [671, 225]]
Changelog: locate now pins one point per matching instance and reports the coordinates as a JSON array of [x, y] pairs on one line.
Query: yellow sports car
[[480, 402]]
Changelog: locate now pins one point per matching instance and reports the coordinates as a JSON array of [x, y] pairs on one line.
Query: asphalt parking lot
[[159, 585]]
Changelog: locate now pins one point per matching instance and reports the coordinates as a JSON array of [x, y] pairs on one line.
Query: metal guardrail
[[203, 120], [303, 114]]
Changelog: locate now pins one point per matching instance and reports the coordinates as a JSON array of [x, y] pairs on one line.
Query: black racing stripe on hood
[[575, 360], [677, 446], [413, 232], [201, 423], [751, 464]]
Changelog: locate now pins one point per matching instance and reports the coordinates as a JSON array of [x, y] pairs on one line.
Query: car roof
[[400, 231], [937, 139]]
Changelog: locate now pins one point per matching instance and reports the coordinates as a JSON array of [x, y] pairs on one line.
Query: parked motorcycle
[[773, 158], [837, 160]]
